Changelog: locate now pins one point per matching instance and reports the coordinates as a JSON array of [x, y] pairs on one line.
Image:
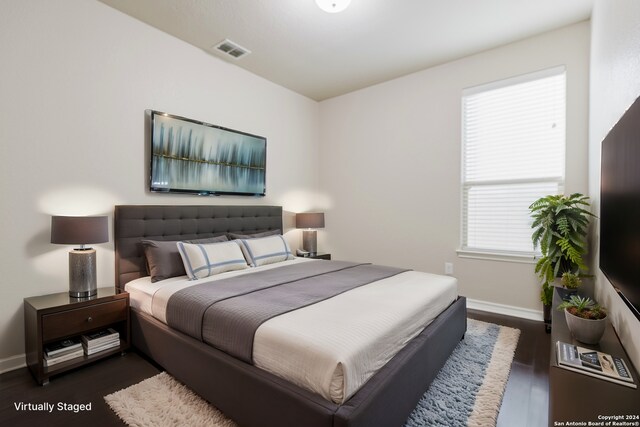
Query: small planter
[[565, 294], [570, 282], [587, 331], [547, 317]]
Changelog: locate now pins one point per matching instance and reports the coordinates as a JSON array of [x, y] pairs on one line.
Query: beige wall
[[615, 85], [75, 79], [390, 159]]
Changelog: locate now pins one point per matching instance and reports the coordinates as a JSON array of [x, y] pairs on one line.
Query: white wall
[[390, 159], [615, 84], [75, 79]]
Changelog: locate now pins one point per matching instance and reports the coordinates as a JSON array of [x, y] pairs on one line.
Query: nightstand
[[51, 318], [321, 255]]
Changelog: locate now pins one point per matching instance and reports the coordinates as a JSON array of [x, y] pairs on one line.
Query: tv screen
[[188, 156], [620, 207]]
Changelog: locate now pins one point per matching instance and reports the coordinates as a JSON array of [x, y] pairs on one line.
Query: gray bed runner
[[226, 313]]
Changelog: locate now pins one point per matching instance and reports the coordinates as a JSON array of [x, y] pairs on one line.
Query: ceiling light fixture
[[333, 6]]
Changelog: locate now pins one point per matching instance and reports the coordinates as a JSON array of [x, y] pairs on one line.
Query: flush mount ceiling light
[[333, 6]]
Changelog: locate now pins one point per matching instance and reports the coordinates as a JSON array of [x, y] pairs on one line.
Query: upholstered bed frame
[[251, 396]]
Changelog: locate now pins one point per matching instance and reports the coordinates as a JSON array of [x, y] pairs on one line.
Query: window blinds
[[513, 153]]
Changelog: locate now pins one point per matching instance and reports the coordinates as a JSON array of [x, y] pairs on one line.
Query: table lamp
[[309, 221], [82, 230]]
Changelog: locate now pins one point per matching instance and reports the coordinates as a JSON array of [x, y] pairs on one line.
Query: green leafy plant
[[560, 228], [546, 294], [583, 307], [570, 280]]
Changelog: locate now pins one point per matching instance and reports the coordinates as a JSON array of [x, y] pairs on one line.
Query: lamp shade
[[310, 220], [70, 230]]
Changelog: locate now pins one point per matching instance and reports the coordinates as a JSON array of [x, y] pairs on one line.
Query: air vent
[[232, 49]]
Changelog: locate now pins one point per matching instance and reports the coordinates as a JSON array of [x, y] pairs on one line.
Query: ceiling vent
[[232, 49]]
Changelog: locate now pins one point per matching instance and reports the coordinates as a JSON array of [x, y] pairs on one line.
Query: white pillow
[[265, 250], [205, 259]]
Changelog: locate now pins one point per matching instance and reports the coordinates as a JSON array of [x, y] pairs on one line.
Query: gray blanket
[[226, 313]]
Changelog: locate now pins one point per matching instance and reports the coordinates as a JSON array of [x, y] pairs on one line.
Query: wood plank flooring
[[88, 384], [525, 402]]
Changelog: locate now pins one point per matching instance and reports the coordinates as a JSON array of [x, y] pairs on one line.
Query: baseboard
[[11, 363], [508, 310]]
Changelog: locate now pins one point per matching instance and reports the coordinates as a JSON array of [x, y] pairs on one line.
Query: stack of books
[[62, 351], [100, 341], [594, 363]]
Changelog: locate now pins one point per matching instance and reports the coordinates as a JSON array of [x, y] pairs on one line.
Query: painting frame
[[194, 157]]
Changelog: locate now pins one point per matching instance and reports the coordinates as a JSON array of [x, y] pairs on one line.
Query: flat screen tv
[[188, 156], [620, 207]]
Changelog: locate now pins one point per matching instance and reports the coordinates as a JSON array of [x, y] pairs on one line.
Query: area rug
[[467, 391]]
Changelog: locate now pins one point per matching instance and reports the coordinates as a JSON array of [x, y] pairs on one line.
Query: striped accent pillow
[[206, 259], [265, 250]]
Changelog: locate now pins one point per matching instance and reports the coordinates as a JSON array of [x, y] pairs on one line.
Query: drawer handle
[[89, 319]]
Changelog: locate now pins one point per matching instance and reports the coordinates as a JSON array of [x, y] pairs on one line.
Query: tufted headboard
[[133, 223]]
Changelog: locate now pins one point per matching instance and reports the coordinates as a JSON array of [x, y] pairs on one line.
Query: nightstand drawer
[[75, 322]]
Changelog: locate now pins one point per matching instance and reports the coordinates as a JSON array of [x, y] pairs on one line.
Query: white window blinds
[[513, 153]]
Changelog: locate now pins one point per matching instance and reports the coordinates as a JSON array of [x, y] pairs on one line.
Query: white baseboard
[[11, 363], [508, 310]]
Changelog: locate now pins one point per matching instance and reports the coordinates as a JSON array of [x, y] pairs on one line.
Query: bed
[[250, 395]]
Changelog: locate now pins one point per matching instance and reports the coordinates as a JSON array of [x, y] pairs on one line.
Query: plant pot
[[587, 331], [546, 311]]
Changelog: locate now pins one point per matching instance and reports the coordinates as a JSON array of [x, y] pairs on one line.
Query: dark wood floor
[[525, 401], [88, 384]]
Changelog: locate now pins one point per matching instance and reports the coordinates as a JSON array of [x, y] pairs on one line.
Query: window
[[513, 144]]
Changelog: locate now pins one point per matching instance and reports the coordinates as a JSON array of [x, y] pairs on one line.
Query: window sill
[[498, 256]]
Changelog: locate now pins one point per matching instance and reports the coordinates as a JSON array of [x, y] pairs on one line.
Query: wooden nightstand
[[51, 318], [321, 255]]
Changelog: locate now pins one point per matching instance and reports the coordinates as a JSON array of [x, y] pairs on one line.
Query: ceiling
[[321, 55]]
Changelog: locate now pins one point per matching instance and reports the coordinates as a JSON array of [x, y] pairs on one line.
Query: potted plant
[[586, 319], [546, 296], [571, 281], [560, 230]]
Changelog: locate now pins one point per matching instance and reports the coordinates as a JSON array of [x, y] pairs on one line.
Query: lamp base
[[310, 241], [82, 273]]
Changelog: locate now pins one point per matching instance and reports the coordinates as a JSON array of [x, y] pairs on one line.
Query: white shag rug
[[161, 401], [467, 392]]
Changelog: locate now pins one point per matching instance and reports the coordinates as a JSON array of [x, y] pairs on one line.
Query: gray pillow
[[234, 236], [163, 258]]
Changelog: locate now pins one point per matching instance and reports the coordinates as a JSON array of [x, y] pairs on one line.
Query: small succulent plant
[[570, 280], [583, 307]]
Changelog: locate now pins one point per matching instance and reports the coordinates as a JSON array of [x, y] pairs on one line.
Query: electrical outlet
[[448, 268]]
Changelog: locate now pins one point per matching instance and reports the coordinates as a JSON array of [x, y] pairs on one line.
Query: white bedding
[[332, 347]]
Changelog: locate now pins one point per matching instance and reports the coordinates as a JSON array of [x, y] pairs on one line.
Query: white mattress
[[333, 347]]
